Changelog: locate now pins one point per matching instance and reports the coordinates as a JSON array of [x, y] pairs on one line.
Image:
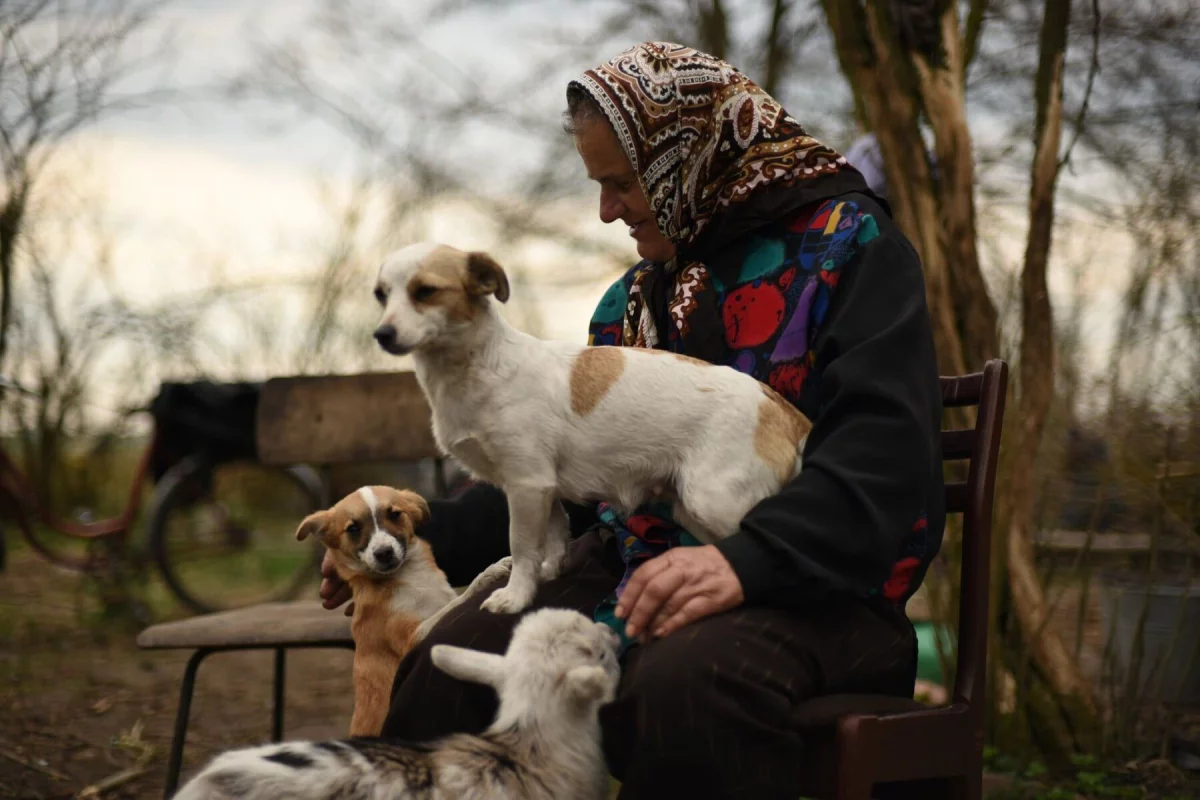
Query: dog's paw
[[507, 601], [496, 572]]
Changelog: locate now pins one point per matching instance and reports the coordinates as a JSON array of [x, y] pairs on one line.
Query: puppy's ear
[[469, 665], [406, 502], [588, 685], [414, 505], [313, 525], [485, 276]]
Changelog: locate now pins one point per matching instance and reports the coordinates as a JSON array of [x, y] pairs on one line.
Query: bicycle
[[219, 527]]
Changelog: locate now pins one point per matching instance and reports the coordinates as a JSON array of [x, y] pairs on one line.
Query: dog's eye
[[354, 529], [381, 296], [394, 514], [423, 293]]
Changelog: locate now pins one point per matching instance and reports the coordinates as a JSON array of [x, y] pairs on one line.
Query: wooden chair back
[[973, 498]]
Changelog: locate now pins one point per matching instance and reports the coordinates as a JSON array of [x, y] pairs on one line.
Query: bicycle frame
[[16, 487]]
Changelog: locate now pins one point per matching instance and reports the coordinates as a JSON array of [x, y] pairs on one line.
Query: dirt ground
[[84, 713], [81, 705]]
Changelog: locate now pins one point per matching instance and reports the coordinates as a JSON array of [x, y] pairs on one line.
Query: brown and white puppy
[[399, 591]]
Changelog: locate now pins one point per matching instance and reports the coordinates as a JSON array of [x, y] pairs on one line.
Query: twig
[[113, 781], [25, 762], [1087, 92]]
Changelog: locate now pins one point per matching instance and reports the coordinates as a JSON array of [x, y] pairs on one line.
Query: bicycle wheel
[[225, 536]]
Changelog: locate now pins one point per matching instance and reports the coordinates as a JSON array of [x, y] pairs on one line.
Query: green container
[[929, 667]]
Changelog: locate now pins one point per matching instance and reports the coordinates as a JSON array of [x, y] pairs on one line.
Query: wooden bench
[[1132, 550], [322, 421]]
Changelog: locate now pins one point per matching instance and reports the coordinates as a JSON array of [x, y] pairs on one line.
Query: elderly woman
[[762, 250]]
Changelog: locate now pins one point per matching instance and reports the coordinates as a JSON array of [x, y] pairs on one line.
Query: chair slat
[[958, 445], [957, 497], [963, 391]]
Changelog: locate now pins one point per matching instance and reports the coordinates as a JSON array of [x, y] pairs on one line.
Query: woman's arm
[[872, 460]]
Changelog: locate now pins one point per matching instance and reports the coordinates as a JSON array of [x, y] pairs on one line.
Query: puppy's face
[[429, 292], [370, 531]]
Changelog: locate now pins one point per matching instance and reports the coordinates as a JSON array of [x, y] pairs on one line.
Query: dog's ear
[[313, 525], [485, 276], [588, 685], [414, 505], [469, 665], [406, 502]]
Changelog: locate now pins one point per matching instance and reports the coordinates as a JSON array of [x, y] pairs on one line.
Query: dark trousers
[[703, 713]]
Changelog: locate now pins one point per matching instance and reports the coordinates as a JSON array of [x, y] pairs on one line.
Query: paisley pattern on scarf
[[700, 134]]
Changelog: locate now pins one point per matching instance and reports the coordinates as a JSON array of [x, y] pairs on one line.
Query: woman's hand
[[680, 586], [334, 591]]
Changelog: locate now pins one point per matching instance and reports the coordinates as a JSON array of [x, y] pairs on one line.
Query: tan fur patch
[[781, 428], [381, 640], [445, 269], [594, 372]]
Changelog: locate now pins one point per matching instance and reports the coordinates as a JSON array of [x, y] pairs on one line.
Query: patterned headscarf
[[703, 137], [716, 157]]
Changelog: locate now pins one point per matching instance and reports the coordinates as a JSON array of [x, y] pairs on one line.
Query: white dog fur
[[559, 669], [551, 420]]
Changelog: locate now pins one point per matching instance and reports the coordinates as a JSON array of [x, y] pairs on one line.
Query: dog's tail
[[299, 770]]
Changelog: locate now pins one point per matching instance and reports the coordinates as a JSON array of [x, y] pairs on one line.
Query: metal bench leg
[[277, 716], [175, 762]]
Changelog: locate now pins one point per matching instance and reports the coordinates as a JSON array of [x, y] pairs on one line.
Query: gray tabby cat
[[559, 669]]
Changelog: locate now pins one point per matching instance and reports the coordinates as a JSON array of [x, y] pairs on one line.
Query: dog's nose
[[385, 556], [385, 335]]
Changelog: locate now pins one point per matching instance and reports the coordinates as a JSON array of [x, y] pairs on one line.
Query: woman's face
[[621, 196]]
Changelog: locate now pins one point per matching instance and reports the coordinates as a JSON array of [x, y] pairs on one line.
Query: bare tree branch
[[1093, 68], [61, 65], [976, 16]]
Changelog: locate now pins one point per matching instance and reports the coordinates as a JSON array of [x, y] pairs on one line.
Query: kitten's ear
[[589, 685], [469, 665], [313, 525]]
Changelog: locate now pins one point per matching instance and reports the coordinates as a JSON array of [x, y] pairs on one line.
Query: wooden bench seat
[[266, 625]]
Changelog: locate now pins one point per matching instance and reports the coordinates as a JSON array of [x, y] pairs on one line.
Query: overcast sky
[[204, 182]]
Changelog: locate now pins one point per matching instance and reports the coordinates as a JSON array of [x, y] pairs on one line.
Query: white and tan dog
[[399, 592], [547, 420]]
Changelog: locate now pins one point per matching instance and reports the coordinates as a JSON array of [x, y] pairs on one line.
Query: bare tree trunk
[[894, 85], [714, 29], [1035, 372], [10, 230], [945, 108], [876, 72], [777, 48]]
